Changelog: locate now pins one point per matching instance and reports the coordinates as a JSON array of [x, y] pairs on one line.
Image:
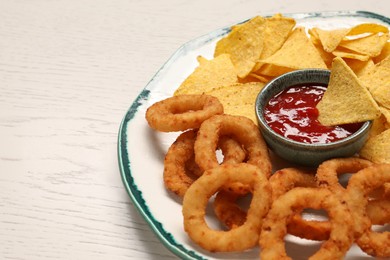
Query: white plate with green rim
[[141, 150]]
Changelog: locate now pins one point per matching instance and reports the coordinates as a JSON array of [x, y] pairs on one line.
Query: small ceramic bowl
[[298, 152]]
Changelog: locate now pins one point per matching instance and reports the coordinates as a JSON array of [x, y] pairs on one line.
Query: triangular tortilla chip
[[348, 54], [386, 113], [327, 57], [244, 44], [377, 79], [382, 94], [384, 53], [368, 28], [277, 29], [272, 70], [371, 45], [360, 67], [238, 99], [298, 52], [346, 100], [330, 39], [209, 74], [377, 148], [378, 126]]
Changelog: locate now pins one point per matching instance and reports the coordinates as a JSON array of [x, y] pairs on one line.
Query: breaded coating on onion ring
[[239, 128], [180, 113], [196, 199], [274, 227], [180, 168], [360, 185]]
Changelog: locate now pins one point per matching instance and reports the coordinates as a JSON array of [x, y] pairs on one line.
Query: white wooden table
[[69, 70]]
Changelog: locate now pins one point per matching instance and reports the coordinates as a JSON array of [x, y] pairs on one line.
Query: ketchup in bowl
[[292, 113]]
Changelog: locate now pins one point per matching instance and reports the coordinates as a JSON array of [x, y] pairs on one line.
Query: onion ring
[[180, 169], [239, 128], [199, 193], [232, 151], [228, 212], [180, 113], [329, 171], [360, 185], [327, 177], [274, 226], [286, 179], [232, 215], [177, 177]]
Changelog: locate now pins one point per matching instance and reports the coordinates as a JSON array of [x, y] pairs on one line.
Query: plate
[[141, 150]]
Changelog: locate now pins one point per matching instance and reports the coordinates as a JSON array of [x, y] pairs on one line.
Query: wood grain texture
[[69, 70]]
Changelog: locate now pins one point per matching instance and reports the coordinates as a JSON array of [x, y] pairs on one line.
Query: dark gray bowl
[[297, 152]]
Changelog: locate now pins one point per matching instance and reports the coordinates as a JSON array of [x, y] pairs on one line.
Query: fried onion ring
[[232, 215], [274, 226], [180, 169], [241, 129], [286, 179], [327, 177], [329, 171], [228, 212], [359, 187], [180, 113], [199, 193], [177, 177]]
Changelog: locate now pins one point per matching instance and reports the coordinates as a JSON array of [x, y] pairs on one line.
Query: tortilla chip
[[346, 100], [377, 148], [386, 113], [348, 54], [209, 74], [384, 53], [238, 99], [330, 39], [327, 57], [382, 94], [201, 60], [244, 44], [371, 45], [360, 67], [271, 70], [314, 37], [368, 28], [277, 30], [377, 81], [261, 78], [249, 79], [378, 126], [298, 52]]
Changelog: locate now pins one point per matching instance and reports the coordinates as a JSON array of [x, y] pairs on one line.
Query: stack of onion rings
[[193, 171]]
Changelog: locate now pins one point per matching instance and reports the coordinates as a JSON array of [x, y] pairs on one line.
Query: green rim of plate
[[124, 159]]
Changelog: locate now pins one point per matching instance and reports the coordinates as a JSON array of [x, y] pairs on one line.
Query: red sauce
[[293, 114]]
